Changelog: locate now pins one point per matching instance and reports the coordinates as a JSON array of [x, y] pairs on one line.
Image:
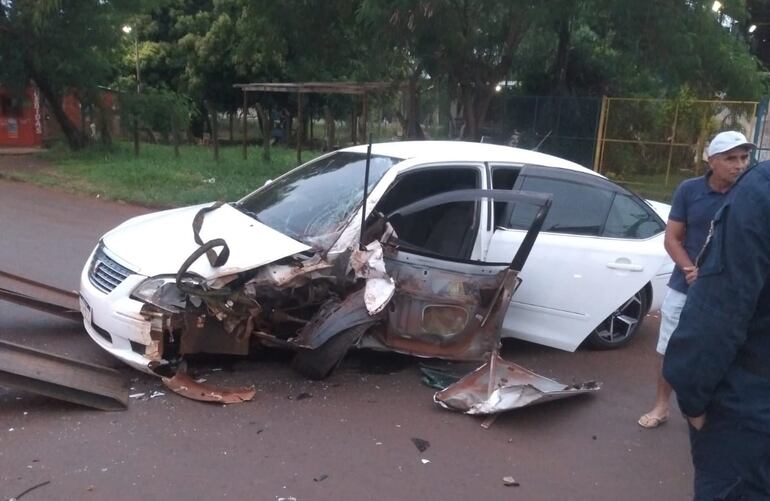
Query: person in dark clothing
[[718, 358]]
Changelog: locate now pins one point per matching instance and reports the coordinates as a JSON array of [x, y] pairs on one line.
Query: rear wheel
[[618, 329], [320, 362]]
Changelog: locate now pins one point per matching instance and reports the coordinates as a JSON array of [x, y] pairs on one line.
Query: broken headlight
[[164, 293]]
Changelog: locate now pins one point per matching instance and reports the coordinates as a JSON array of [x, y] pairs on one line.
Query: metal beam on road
[[62, 378], [39, 296]]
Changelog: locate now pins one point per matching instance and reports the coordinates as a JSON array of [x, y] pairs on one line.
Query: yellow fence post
[[599, 152]]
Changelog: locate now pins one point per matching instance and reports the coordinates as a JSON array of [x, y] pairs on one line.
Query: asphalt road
[[347, 438]]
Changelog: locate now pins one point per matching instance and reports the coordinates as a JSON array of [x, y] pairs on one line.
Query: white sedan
[[288, 265]]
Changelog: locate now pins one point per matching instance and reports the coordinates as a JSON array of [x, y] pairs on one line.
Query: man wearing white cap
[[695, 203]]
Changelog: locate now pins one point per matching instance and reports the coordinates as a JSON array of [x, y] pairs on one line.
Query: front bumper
[[114, 321]]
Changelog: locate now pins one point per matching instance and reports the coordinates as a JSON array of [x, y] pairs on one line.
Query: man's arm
[[673, 241], [721, 303]]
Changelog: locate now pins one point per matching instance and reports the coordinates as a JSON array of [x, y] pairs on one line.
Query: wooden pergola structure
[[351, 88]]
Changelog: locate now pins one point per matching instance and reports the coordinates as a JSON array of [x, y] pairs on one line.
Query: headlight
[[163, 293]]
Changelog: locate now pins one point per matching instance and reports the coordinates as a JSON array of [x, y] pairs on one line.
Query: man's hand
[[690, 274], [698, 421]]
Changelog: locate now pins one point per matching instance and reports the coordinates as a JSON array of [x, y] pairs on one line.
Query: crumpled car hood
[[159, 243]]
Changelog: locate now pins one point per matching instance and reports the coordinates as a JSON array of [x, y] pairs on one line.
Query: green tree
[[468, 43], [657, 48]]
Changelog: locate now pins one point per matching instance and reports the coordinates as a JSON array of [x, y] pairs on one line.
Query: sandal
[[649, 421]]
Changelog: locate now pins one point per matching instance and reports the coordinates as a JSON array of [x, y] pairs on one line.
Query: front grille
[[105, 274]]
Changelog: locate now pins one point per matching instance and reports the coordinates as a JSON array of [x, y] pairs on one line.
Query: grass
[[157, 178]]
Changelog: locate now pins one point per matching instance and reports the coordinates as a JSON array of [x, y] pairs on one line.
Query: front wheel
[[618, 329]]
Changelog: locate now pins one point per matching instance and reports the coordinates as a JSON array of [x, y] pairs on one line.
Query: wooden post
[[366, 115], [136, 136], [214, 130], [245, 127], [300, 126], [671, 146]]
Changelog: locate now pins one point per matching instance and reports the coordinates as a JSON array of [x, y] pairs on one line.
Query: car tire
[[320, 362], [622, 325]]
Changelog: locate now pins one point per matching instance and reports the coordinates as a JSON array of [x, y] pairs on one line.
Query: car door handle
[[625, 266]]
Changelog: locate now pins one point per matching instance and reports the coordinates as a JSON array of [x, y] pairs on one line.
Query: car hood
[[159, 243]]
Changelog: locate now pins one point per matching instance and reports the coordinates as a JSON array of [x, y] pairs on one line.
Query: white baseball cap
[[727, 140]]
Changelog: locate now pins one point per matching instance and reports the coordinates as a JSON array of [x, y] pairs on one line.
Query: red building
[[21, 119], [27, 122]]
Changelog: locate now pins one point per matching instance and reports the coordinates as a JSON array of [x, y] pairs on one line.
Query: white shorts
[[669, 317]]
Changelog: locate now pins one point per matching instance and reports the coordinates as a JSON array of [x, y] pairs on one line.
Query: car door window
[[578, 209], [629, 218], [448, 230]]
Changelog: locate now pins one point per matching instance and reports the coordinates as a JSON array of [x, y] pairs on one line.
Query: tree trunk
[[331, 129], [105, 120], [413, 128], [266, 131], [75, 138], [560, 62], [476, 102]]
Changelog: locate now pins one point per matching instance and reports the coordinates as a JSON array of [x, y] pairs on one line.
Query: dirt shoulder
[[16, 164]]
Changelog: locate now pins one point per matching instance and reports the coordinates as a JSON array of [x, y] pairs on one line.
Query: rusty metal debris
[[184, 385], [499, 386]]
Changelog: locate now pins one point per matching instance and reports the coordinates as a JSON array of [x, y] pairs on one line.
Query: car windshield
[[312, 204]]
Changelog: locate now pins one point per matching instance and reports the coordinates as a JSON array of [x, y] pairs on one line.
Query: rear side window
[[577, 209], [629, 218]]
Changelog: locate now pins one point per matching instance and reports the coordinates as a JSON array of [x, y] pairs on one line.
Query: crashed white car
[[290, 266]]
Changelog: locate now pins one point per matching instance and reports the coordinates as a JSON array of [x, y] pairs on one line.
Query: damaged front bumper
[[115, 322]]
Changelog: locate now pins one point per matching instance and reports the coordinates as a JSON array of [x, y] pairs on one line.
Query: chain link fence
[[652, 144]]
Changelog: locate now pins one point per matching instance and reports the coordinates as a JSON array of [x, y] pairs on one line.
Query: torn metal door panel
[[62, 378], [499, 386], [440, 307]]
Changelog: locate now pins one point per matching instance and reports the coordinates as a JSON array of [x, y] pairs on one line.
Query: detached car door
[[599, 246], [447, 305]]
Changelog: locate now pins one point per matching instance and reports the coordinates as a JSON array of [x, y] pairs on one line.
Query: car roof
[[459, 151]]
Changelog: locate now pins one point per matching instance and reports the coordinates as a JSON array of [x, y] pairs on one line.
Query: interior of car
[[447, 230]]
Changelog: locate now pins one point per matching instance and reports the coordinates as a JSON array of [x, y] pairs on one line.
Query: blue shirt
[[726, 319], [695, 204]]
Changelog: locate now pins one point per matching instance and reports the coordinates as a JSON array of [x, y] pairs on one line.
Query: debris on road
[[184, 385], [499, 386], [422, 445], [510, 482], [41, 484], [62, 378]]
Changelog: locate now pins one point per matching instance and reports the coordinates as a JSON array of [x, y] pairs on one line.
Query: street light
[[127, 30]]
